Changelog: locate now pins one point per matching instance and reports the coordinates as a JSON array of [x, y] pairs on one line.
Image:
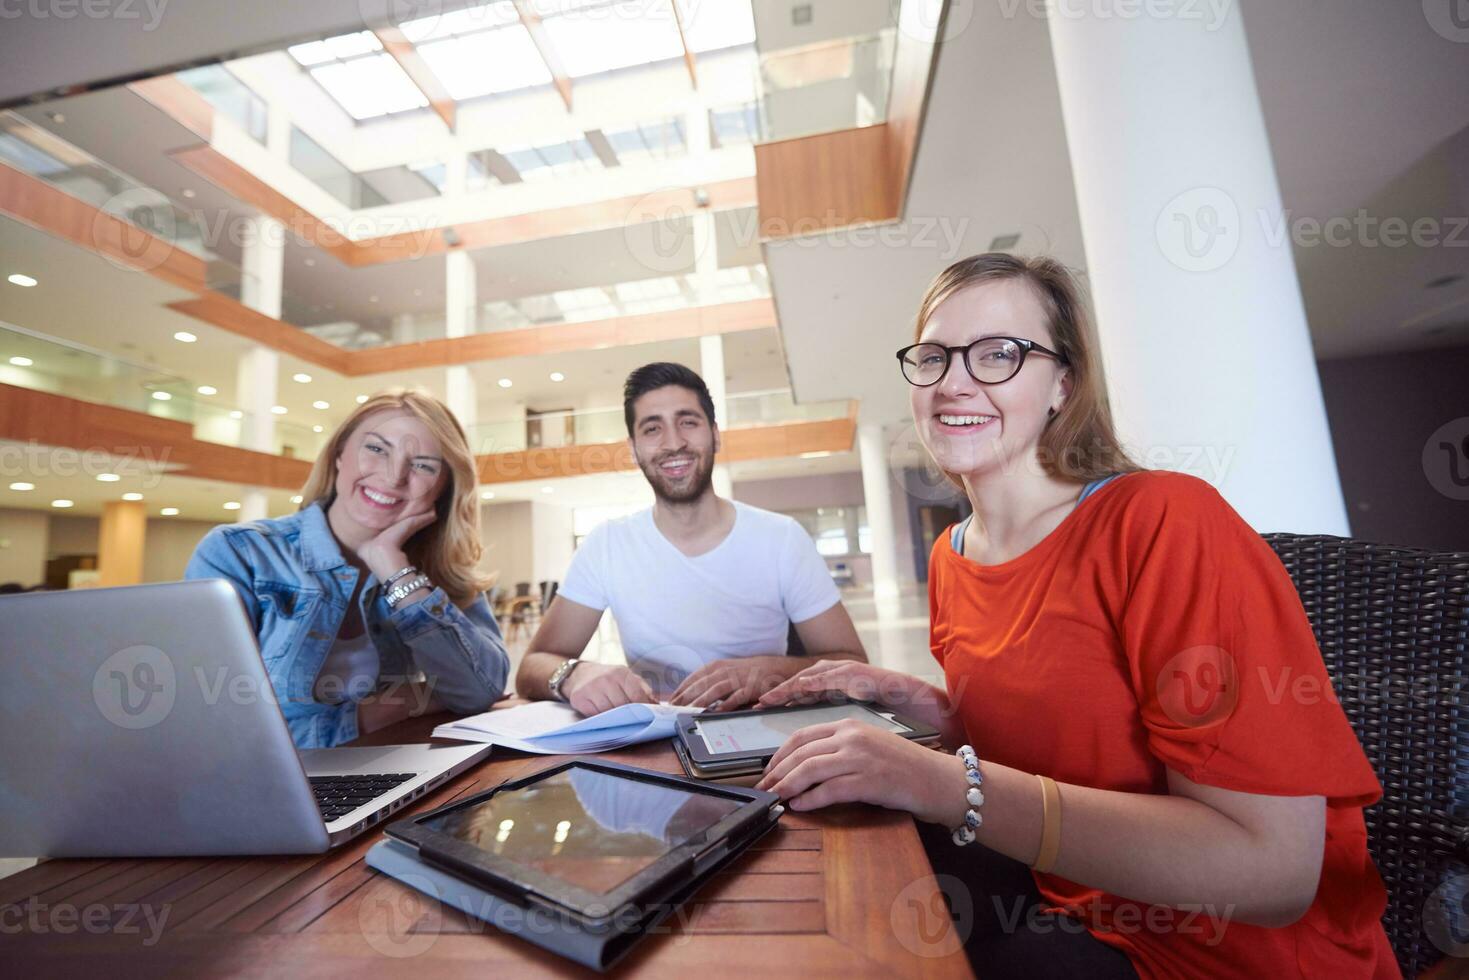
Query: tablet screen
[[586, 827], [759, 732]]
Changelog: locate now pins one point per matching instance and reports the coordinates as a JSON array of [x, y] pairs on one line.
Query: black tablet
[[592, 839], [738, 740]]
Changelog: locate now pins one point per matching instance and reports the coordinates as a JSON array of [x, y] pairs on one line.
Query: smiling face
[[674, 443], [971, 428], [390, 467]]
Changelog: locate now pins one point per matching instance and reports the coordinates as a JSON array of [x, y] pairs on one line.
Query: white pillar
[[263, 261], [878, 495], [459, 317], [1202, 327], [711, 368]]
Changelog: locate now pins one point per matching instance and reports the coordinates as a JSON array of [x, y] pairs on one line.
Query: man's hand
[[594, 688], [734, 683]]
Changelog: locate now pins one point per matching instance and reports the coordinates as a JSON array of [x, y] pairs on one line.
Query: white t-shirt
[[675, 613]]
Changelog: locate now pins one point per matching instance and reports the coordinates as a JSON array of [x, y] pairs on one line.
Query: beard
[[693, 486]]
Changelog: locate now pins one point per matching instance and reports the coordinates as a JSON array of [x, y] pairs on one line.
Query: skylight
[[662, 140], [607, 38], [477, 18], [489, 62], [710, 25], [368, 87]]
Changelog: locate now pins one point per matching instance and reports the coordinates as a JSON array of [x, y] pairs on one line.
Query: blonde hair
[[448, 551], [1079, 443]]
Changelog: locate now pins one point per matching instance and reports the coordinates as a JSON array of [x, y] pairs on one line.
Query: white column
[[878, 496], [459, 318], [263, 261], [1202, 326], [711, 368]]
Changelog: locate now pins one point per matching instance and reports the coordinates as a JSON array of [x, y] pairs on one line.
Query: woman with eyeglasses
[[369, 602], [1154, 779]]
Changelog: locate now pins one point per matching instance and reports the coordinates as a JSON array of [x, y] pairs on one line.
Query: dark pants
[[1008, 935]]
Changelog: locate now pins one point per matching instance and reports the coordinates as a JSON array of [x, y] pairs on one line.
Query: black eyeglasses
[[989, 360]]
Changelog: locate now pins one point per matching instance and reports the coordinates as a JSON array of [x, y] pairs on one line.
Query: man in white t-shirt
[[704, 590]]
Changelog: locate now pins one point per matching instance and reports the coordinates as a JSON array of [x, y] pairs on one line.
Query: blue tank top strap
[[1095, 485], [956, 538]]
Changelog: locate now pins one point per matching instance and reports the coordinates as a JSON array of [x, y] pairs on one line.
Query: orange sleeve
[[1227, 674]]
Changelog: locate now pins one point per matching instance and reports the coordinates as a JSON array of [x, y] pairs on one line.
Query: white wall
[[169, 546], [551, 527], [23, 536], [505, 531]]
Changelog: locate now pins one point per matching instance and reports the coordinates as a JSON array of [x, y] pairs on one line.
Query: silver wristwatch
[[559, 678]]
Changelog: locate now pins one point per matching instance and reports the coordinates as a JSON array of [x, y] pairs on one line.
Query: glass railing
[[41, 154], [819, 88], [606, 425], [230, 97], [29, 360]]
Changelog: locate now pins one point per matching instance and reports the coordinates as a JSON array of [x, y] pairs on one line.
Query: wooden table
[[845, 892]]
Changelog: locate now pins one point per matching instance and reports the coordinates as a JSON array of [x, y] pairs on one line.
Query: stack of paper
[[552, 728]]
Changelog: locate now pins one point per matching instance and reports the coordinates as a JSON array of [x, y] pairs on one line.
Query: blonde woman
[[374, 580], [1133, 794]]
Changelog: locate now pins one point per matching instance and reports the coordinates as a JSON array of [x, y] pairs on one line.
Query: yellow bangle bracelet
[[1045, 860]]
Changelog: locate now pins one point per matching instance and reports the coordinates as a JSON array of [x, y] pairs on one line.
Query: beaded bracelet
[[964, 834]]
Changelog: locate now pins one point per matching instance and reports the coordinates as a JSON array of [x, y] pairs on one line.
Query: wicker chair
[[1393, 627]]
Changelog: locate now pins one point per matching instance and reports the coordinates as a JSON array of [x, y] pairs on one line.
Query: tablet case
[[557, 933]]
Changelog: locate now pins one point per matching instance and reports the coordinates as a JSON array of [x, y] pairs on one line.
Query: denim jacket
[[296, 584]]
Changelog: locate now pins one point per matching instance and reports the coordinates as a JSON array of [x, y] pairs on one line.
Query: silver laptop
[[139, 722]]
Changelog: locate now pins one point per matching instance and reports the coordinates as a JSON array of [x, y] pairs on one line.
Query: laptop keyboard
[[338, 796]]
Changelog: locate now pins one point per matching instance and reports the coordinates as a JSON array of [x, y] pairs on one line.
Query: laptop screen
[[586, 827]]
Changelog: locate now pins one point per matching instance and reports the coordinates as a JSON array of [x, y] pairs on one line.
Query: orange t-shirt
[[1153, 628]]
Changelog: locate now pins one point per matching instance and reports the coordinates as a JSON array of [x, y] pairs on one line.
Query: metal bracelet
[[406, 570], [406, 589]]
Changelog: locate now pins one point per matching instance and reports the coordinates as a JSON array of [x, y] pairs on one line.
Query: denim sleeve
[[216, 557], [460, 651]]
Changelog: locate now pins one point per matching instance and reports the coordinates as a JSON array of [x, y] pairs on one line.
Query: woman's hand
[[383, 555], [851, 762]]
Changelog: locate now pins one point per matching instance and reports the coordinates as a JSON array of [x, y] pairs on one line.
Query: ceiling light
[[323, 406], [207, 390], [304, 379], [22, 486], [361, 399], [22, 361], [296, 499], [162, 396], [21, 279], [188, 192], [278, 409], [184, 337], [231, 505], [57, 117], [487, 495], [310, 263], [317, 428], [62, 503], [108, 478], [505, 382], [548, 489], [237, 414], [169, 512], [132, 496], [372, 299], [557, 376]]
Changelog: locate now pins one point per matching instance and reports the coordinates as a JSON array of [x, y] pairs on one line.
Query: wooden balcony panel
[[824, 182]]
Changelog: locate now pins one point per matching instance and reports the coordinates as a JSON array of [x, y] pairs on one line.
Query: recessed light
[[237, 414], [310, 263], [372, 299], [188, 192], [22, 361], [487, 495], [557, 376], [169, 512], [132, 496], [207, 390], [318, 428], [231, 505], [22, 486], [162, 396], [296, 499], [108, 478], [62, 503], [361, 399], [184, 337], [304, 379], [57, 117], [21, 279], [505, 382], [548, 489], [323, 406], [278, 409]]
